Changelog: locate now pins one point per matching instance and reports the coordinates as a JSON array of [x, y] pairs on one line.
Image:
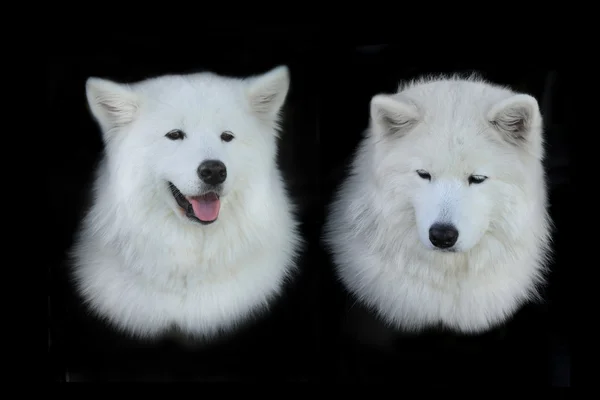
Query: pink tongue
[[206, 208]]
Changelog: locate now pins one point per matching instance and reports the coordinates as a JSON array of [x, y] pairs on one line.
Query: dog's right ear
[[113, 105], [267, 93], [519, 121], [391, 116]]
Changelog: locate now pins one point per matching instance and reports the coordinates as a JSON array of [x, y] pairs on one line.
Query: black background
[[315, 332]]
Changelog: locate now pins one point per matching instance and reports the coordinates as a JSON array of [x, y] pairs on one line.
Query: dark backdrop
[[313, 333]]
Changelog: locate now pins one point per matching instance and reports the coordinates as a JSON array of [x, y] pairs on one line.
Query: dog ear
[[267, 92], [113, 105], [391, 116], [518, 120]]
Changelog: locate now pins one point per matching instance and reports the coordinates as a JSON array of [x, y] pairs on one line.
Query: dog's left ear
[[392, 117], [267, 93], [519, 121], [113, 105]]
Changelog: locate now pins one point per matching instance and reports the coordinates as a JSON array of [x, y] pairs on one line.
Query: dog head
[[457, 155], [192, 139]]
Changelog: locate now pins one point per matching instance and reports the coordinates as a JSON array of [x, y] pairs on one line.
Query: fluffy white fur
[[139, 262], [378, 224]]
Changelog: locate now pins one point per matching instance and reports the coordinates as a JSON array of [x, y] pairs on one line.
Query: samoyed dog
[[442, 221], [191, 229]]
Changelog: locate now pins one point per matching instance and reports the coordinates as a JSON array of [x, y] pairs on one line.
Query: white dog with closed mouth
[[191, 227], [442, 221]]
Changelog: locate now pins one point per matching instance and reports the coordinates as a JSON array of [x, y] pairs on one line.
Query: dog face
[[189, 139], [455, 156]]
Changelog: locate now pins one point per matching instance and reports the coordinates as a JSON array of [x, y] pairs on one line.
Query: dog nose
[[443, 236], [212, 172]]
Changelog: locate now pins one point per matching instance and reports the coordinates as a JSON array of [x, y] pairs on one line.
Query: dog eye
[[175, 134], [226, 136], [424, 174], [476, 179]]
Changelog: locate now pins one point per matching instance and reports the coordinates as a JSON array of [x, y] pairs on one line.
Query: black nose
[[212, 172], [443, 235]]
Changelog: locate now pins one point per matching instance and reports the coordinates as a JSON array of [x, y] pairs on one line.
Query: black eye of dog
[[476, 179], [175, 134], [424, 174], [226, 136]]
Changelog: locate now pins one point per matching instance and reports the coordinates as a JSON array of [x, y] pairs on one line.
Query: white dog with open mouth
[[191, 227]]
